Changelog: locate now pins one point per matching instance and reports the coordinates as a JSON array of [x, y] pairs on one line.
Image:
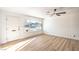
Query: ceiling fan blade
[[61, 13], [58, 14]]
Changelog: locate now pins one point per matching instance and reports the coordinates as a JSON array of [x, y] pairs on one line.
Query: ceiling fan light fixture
[[54, 12]]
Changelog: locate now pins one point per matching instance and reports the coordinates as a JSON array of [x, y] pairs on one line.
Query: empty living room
[[39, 28]]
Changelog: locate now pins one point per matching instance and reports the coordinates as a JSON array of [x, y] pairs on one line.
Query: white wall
[[22, 33], [0, 26], [65, 25]]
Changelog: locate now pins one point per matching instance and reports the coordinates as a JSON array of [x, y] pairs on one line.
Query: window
[[33, 24]]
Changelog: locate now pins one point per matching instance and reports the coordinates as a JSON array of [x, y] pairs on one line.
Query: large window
[[33, 24]]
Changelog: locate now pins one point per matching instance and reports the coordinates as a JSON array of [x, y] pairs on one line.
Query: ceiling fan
[[56, 13]]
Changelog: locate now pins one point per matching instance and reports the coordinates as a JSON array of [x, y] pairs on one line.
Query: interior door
[[12, 28]]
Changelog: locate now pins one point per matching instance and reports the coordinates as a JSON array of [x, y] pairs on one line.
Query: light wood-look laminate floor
[[51, 43]]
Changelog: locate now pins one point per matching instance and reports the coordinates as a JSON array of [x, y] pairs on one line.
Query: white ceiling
[[33, 11]]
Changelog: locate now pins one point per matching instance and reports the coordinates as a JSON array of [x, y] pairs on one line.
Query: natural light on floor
[[18, 45]]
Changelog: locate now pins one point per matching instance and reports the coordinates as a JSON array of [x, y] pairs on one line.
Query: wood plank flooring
[[48, 43], [51, 43]]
